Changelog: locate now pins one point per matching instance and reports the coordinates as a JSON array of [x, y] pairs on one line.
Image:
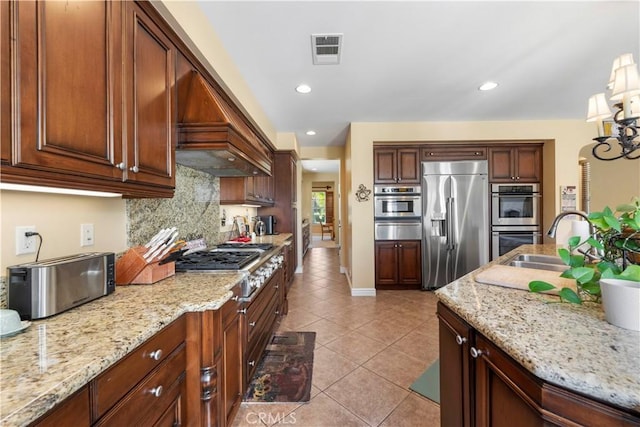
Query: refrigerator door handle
[[451, 244]]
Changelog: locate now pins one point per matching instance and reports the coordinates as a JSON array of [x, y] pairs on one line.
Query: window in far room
[[319, 206]]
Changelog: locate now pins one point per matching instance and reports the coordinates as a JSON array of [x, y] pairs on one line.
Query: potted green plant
[[609, 265]]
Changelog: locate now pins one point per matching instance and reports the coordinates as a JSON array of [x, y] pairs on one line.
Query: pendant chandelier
[[618, 138]]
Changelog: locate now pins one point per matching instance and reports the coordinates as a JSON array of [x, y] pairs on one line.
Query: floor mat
[[428, 384], [285, 369]]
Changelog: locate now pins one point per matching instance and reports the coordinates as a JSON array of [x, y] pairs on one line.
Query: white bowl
[[621, 302], [9, 321]]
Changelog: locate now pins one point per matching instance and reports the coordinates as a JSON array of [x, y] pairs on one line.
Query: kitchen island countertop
[[55, 357], [568, 345]]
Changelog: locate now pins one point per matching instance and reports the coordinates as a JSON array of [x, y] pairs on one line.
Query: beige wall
[[346, 172], [612, 182], [560, 167], [57, 218]]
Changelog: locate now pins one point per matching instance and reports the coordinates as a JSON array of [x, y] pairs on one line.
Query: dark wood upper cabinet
[[150, 99], [5, 83], [94, 85], [515, 163], [239, 190], [451, 152], [396, 165], [67, 56]]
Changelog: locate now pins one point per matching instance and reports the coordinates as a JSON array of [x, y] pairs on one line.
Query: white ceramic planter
[[621, 302]]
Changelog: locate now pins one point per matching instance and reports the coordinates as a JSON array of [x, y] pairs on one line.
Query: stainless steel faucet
[[554, 225], [592, 253]]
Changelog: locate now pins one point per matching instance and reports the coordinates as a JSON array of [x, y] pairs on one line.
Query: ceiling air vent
[[326, 48]]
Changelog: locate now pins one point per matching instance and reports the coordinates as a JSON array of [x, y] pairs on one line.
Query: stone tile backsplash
[[194, 210]]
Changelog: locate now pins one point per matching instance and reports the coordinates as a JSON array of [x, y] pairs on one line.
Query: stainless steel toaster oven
[[48, 287]]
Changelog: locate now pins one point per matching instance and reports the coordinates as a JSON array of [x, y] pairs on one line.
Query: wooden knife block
[[133, 269]]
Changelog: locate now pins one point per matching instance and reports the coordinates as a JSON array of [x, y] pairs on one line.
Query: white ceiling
[[424, 60], [321, 166]]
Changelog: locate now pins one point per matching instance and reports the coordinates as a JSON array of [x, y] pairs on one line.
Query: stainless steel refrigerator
[[455, 209]]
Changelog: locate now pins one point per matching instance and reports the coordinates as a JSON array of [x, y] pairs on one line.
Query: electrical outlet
[[86, 234], [24, 244]]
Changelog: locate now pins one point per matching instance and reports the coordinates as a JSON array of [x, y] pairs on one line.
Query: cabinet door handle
[[121, 166], [460, 340], [475, 353], [242, 311], [235, 298], [252, 363], [156, 391], [156, 355], [252, 324], [134, 169]]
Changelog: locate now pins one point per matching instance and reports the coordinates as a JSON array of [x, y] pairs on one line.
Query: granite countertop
[[55, 357], [565, 344]]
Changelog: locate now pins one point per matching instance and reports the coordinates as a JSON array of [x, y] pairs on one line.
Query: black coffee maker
[[269, 224]]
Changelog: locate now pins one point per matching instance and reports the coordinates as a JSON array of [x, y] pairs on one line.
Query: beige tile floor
[[368, 352]]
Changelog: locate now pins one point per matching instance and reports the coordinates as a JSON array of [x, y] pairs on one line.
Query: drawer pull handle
[[460, 340], [475, 353], [252, 363], [252, 324], [156, 355], [156, 391], [277, 312]]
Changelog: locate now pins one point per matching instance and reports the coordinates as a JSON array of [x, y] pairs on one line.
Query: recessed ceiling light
[[303, 88], [488, 86], [311, 132]]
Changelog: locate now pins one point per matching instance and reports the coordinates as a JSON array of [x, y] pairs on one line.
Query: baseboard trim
[[363, 292]]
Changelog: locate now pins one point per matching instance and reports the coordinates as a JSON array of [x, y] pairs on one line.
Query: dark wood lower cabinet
[[455, 392], [481, 385], [232, 373], [398, 264], [72, 412], [193, 372]]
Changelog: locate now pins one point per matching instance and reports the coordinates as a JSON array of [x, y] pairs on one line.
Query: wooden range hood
[[212, 137]]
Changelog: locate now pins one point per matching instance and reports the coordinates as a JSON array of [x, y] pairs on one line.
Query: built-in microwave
[[515, 204], [397, 202]]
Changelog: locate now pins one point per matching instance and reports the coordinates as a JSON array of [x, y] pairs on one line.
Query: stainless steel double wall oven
[[515, 216]]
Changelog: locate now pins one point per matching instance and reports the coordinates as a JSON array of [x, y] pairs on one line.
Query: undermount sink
[[537, 262]]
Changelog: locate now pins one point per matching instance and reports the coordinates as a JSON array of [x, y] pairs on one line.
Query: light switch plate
[[86, 235]]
